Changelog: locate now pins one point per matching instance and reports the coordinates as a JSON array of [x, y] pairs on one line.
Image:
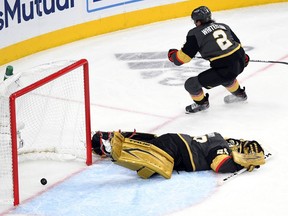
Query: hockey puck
[[43, 181]]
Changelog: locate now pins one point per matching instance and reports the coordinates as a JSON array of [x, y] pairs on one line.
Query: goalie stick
[[235, 174]]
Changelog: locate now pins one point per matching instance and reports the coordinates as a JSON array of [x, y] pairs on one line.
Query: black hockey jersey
[[212, 40]]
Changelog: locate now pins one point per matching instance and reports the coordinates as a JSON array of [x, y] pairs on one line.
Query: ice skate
[[195, 107], [235, 98]]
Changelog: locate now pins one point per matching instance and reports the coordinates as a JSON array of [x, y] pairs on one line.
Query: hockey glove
[[247, 59], [170, 54], [249, 154]]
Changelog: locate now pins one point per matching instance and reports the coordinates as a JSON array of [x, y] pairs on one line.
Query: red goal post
[[83, 63]]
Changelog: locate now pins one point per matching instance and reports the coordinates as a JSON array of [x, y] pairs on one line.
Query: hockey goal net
[[45, 113]]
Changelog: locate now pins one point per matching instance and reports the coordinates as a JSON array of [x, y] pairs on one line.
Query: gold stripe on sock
[[234, 87], [198, 97]]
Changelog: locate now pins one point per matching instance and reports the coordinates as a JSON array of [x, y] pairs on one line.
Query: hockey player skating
[[149, 154], [218, 44]]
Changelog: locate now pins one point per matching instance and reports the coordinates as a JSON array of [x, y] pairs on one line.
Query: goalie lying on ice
[[149, 154]]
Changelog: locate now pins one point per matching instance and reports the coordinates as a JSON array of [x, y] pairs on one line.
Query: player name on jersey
[[211, 28]]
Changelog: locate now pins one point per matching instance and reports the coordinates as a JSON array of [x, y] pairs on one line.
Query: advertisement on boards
[[24, 19]]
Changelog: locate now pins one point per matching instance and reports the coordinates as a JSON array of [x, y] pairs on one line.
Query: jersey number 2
[[221, 39]]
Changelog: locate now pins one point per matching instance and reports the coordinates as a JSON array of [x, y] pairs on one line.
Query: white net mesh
[[6, 181], [50, 120]]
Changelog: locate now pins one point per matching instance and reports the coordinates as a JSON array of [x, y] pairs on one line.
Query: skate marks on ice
[[155, 65], [108, 189]]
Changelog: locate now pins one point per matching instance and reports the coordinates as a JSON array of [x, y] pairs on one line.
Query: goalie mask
[[101, 143]]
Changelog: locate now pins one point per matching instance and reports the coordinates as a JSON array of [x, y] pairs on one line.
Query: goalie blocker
[[149, 154]]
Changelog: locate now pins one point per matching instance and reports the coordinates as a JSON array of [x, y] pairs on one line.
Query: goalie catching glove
[[248, 154]]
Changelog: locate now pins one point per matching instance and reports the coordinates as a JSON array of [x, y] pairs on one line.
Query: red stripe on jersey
[[221, 163]]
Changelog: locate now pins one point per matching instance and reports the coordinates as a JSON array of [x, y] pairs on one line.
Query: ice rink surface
[[133, 86]]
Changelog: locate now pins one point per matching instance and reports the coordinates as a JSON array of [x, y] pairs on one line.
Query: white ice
[[148, 95]]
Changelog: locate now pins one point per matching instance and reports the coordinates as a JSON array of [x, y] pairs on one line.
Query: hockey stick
[[261, 61], [235, 174]]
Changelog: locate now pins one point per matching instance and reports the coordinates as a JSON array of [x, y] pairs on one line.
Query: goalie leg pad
[[145, 172], [142, 157]]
